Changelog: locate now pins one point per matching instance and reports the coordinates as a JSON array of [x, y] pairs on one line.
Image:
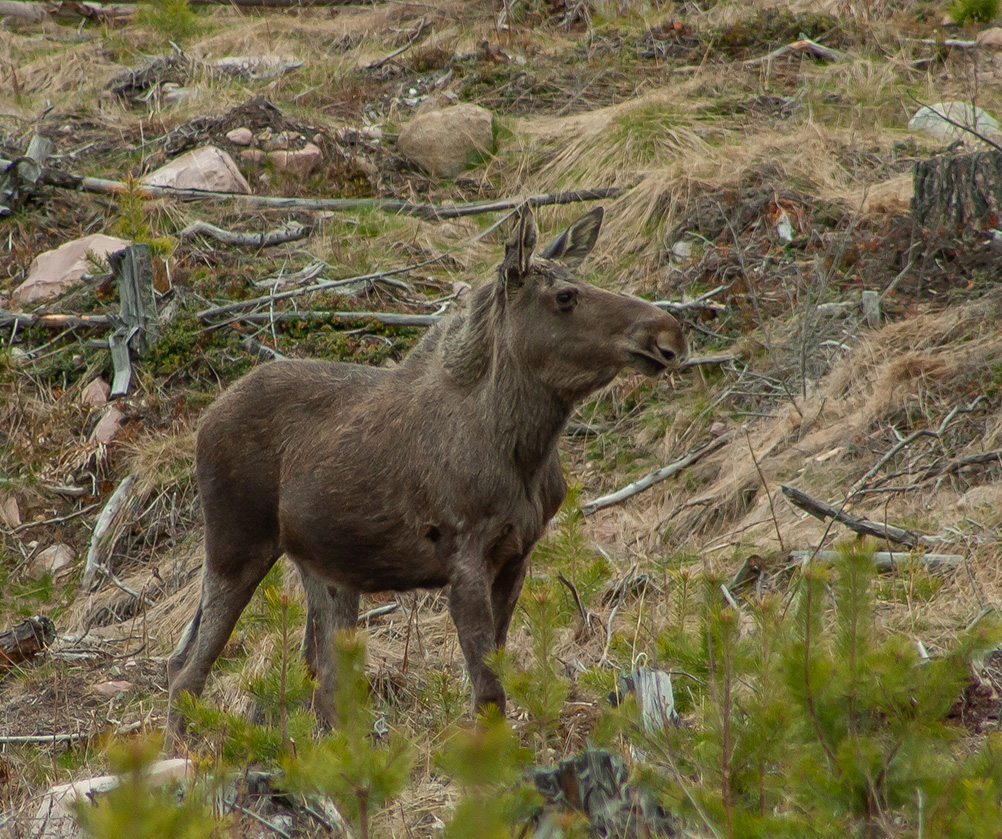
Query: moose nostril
[[668, 354]]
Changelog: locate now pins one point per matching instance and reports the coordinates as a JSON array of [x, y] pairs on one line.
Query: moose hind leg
[[329, 609], [224, 597]]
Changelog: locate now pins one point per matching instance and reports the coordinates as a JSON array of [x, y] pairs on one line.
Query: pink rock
[[240, 136], [252, 155], [991, 38], [108, 426], [208, 168], [56, 560], [10, 513], [113, 688], [299, 163], [96, 393], [52, 272]]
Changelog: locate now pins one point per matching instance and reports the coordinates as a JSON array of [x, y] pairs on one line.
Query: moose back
[[441, 471]]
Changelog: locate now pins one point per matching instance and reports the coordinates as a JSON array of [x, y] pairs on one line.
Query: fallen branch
[[654, 478], [821, 510], [708, 360], [375, 65], [702, 303], [804, 45], [959, 463], [21, 320], [911, 438], [66, 180], [885, 561], [107, 529], [388, 318], [269, 299], [289, 233]]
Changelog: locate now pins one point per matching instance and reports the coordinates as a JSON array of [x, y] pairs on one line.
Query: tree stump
[[958, 192], [25, 641]]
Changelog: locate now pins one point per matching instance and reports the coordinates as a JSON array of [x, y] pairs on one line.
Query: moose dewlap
[[441, 471]]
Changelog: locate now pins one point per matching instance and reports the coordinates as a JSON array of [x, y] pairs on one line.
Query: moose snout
[[670, 343]]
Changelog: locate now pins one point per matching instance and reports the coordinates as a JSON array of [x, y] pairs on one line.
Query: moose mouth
[[652, 363]]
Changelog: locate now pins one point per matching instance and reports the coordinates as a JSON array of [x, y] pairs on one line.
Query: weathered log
[[958, 192], [821, 510], [25, 641], [20, 178], [886, 561], [102, 186], [26, 12], [648, 481]]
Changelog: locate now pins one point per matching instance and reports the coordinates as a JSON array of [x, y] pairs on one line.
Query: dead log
[[648, 481], [109, 527], [25, 641], [821, 510], [20, 178], [886, 561], [25, 12], [958, 192], [102, 186]]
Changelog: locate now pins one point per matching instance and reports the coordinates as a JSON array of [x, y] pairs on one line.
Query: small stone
[[299, 163], [56, 560], [252, 155], [108, 426], [10, 513], [718, 429], [240, 136], [96, 393], [991, 38], [278, 142], [113, 688]]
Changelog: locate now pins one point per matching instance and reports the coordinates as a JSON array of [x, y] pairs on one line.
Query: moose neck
[[522, 414]]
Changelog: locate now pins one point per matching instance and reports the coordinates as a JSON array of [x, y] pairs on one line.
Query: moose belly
[[368, 554]]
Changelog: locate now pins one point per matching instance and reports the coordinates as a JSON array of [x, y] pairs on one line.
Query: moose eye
[[566, 297]]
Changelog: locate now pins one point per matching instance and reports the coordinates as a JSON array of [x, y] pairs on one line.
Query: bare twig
[[585, 614], [911, 438], [765, 486], [375, 65], [388, 318], [655, 477], [804, 45]]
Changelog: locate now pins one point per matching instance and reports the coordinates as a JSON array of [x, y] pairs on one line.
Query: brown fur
[[441, 471]]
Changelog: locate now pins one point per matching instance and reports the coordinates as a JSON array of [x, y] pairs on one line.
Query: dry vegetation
[[715, 149]]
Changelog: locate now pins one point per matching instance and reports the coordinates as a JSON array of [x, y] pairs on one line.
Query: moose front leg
[[470, 607]]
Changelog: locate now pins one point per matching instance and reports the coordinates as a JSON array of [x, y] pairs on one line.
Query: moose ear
[[518, 250], [576, 242]]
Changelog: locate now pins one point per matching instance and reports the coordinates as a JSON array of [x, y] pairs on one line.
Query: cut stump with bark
[[25, 641], [958, 192]]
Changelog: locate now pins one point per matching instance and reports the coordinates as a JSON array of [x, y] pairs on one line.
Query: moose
[[441, 471]]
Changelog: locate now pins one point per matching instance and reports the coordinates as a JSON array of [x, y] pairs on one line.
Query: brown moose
[[441, 471]]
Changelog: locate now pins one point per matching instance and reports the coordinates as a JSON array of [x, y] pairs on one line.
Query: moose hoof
[[490, 705]]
